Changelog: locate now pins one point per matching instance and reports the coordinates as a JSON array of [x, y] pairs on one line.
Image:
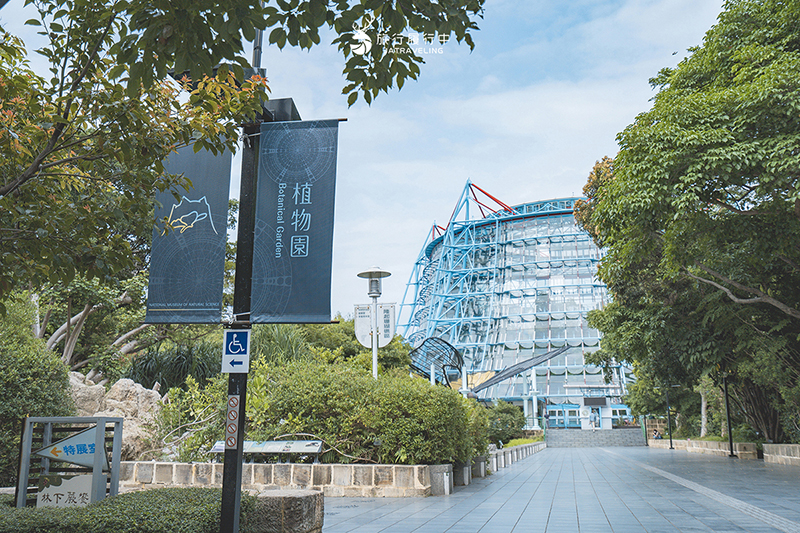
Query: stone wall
[[782, 454], [744, 450], [368, 481], [376, 481], [505, 457]]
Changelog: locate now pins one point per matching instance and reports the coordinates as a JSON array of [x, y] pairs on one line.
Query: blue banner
[[187, 261], [293, 247]]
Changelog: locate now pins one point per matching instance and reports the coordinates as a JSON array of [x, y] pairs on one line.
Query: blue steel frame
[[477, 283]]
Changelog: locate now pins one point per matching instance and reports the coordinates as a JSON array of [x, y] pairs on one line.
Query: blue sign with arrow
[[236, 351]]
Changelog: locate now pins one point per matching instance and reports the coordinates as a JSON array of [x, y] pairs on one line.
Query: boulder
[[87, 396], [125, 399]]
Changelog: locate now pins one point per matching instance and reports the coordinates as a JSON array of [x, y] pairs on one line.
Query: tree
[[81, 161], [505, 422], [711, 170], [83, 149], [699, 214], [337, 343]]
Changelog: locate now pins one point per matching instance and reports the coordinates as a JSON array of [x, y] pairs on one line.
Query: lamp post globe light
[[374, 276]]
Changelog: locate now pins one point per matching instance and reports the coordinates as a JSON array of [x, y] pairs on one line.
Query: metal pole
[[728, 416], [669, 422], [374, 318], [237, 383], [644, 425], [257, 42]]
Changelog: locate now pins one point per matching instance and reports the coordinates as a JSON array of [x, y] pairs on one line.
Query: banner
[[293, 246], [187, 262]]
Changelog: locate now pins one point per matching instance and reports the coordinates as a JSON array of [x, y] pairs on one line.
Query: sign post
[[93, 476], [374, 275], [237, 380]]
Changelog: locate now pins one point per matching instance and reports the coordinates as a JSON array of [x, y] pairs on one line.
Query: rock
[[87, 396], [125, 399]]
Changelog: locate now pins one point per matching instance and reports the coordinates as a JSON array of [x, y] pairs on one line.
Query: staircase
[[585, 438]]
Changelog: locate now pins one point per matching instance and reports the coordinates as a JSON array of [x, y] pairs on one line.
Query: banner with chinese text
[[293, 242]]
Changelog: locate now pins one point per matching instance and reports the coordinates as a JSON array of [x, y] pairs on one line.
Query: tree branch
[[729, 207], [127, 348], [72, 336], [75, 158], [759, 297], [58, 130], [789, 262]]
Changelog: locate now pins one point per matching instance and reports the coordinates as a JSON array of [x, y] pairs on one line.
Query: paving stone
[[619, 489]]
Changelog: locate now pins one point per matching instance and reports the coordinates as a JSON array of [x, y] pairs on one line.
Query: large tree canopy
[[82, 148], [699, 214], [711, 171], [81, 161]]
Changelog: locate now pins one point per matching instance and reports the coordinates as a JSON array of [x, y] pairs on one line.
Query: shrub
[[417, 423], [396, 419], [505, 422], [478, 427], [191, 420], [170, 365], [34, 382], [169, 510]]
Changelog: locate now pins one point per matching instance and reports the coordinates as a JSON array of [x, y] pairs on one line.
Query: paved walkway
[[620, 490]]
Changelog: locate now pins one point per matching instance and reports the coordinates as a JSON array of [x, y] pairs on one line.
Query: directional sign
[[363, 324], [236, 351], [77, 449]]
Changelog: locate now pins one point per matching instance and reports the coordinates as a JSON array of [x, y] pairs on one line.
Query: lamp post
[[374, 275], [728, 416], [669, 416], [669, 422]]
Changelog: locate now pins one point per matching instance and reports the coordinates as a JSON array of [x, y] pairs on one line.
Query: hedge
[[169, 510]]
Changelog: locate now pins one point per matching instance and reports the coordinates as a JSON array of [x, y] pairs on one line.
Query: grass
[[520, 442]]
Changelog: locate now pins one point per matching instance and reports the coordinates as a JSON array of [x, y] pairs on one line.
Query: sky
[[524, 116]]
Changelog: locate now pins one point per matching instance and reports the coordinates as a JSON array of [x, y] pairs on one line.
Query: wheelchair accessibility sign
[[236, 351]]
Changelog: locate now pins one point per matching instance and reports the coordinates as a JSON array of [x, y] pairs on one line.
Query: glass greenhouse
[[505, 285]]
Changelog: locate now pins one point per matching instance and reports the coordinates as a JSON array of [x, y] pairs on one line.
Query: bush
[[396, 419], [34, 382], [417, 423], [505, 422], [191, 420], [170, 365], [478, 427], [169, 510]]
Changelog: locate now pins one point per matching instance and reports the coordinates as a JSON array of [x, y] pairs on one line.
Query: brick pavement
[[588, 490]]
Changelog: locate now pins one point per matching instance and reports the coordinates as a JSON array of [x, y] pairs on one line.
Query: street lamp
[[374, 275], [669, 416]]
